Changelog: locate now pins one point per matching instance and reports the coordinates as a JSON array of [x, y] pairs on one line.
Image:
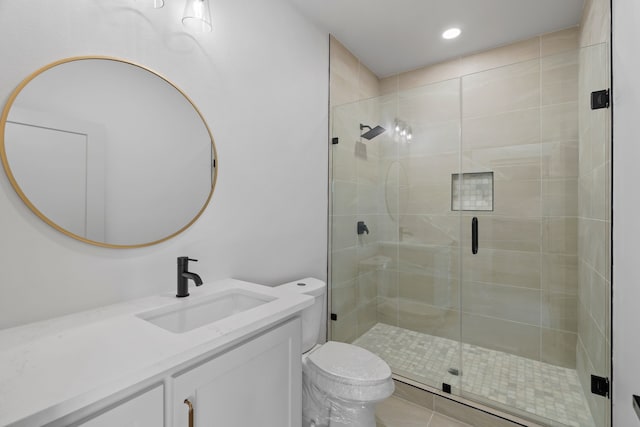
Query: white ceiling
[[392, 36]]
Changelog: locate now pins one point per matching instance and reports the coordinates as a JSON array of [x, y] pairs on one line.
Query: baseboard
[[456, 407]]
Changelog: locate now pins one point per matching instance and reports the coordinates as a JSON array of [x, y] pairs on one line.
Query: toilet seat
[[348, 372]]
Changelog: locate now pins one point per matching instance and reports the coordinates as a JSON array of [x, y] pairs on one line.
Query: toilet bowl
[[341, 383]]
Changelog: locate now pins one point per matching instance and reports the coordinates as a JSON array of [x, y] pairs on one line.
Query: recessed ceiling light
[[451, 33]]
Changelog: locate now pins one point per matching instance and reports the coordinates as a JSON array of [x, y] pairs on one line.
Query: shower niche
[[472, 191], [518, 150]]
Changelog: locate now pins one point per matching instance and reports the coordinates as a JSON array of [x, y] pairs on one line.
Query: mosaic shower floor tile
[[543, 390]]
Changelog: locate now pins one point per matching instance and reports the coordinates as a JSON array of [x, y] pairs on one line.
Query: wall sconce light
[[403, 131], [197, 16]]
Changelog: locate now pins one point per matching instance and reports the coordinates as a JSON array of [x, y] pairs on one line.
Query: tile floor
[[395, 412], [546, 392]]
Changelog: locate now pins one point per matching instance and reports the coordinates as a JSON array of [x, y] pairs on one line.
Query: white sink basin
[[198, 312]]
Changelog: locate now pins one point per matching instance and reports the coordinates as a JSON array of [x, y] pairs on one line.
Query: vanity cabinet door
[[258, 383], [143, 410]]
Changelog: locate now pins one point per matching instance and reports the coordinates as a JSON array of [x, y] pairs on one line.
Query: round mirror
[[108, 152]]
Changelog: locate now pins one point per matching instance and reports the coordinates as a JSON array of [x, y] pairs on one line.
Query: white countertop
[[53, 368]]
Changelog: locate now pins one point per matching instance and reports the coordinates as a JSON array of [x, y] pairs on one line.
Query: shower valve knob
[[362, 228]]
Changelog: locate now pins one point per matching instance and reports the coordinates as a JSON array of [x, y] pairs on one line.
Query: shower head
[[372, 132]]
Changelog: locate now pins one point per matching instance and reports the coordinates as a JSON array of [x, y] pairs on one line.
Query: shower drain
[[454, 371]]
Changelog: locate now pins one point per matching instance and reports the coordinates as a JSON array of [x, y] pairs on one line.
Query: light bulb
[[156, 4], [451, 33], [196, 16]]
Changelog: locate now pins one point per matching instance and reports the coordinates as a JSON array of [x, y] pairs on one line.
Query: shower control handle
[[474, 235], [362, 228]]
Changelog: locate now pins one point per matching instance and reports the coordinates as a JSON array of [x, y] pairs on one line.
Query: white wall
[[626, 208], [259, 79]]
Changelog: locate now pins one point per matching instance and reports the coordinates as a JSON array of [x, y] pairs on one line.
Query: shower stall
[[470, 235]]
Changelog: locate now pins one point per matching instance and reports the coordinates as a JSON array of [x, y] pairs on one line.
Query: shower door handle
[[474, 235]]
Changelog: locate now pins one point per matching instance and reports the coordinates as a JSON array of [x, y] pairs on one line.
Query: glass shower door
[[394, 288], [503, 226], [528, 141], [428, 235], [357, 265], [593, 348]]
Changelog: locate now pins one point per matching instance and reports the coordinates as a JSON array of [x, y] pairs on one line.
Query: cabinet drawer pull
[[190, 405]]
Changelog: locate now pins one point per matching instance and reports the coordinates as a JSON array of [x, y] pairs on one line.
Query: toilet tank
[[311, 316]]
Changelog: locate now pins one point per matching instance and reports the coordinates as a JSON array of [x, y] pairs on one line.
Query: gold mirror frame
[[25, 199]]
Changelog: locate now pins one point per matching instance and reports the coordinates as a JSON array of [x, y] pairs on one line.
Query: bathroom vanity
[[229, 353]]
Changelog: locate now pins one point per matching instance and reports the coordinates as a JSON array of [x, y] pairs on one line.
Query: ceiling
[[392, 36]]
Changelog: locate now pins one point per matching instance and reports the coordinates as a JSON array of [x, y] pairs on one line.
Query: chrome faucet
[[184, 275]]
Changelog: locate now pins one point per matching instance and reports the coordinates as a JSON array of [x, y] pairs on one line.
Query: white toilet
[[341, 383]]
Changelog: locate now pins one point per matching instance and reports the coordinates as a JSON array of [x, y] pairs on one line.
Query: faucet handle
[[183, 260]]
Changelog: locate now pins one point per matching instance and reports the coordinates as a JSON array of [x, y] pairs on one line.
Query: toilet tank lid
[[307, 286]]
